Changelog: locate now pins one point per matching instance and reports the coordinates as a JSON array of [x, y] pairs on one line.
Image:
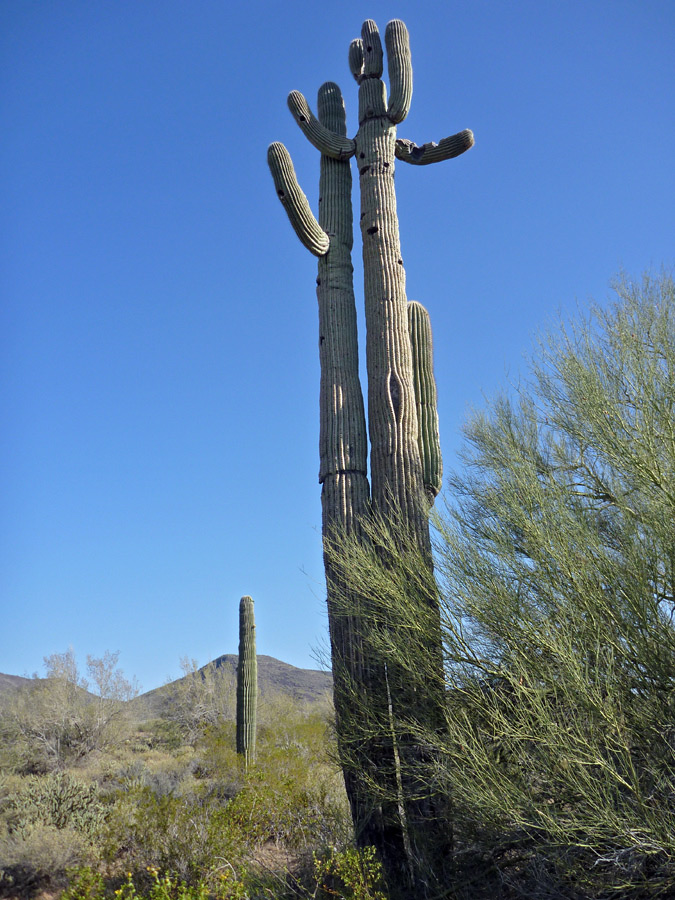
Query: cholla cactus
[[405, 460], [58, 800], [247, 683]]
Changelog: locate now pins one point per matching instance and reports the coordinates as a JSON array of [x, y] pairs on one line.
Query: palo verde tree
[[402, 426], [62, 718], [557, 584]]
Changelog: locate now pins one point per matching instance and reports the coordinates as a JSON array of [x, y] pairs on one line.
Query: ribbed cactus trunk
[[397, 481], [247, 683], [392, 809], [343, 441], [396, 472]]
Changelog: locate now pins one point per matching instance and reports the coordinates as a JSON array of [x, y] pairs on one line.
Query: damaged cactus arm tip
[[447, 148], [294, 201], [336, 146]]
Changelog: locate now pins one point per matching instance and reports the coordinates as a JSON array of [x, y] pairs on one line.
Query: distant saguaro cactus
[[405, 459], [247, 682]]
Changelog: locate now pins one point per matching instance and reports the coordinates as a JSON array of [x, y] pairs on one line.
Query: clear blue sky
[[159, 365]]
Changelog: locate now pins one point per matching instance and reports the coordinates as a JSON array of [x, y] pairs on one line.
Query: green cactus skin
[[425, 399], [405, 460], [247, 683]]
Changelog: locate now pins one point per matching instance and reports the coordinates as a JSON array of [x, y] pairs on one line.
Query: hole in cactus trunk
[[373, 229], [395, 393]]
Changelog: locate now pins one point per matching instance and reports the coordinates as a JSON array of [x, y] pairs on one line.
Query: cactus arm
[[356, 59], [372, 50], [425, 399], [295, 202], [447, 148], [337, 146], [399, 64]]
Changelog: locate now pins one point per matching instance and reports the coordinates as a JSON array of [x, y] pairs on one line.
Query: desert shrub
[[182, 835], [40, 854], [85, 883], [50, 822], [295, 793], [349, 874], [195, 815], [59, 801], [165, 734]]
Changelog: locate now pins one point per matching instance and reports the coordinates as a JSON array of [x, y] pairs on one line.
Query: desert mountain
[[274, 676]]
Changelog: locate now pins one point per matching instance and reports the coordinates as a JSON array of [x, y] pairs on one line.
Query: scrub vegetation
[[167, 808]]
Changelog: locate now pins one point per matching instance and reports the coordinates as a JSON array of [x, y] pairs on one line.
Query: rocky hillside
[[274, 676]]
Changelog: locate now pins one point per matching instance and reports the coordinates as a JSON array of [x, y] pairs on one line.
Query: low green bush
[[57, 800], [350, 874], [40, 855]]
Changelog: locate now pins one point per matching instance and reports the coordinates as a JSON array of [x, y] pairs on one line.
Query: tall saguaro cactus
[[402, 422], [247, 683]]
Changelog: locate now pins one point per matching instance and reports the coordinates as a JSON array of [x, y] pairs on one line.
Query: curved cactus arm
[[373, 58], [425, 399], [336, 146], [356, 59], [295, 202], [447, 148], [399, 64]]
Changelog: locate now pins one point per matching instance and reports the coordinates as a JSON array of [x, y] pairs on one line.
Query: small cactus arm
[[247, 683], [426, 399]]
